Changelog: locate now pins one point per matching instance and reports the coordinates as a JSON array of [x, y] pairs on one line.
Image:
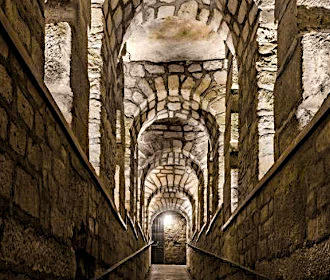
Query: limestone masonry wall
[[175, 240], [55, 220], [113, 138], [283, 232]]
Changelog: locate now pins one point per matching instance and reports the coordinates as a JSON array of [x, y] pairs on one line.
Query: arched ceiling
[[167, 201], [176, 30], [175, 75]]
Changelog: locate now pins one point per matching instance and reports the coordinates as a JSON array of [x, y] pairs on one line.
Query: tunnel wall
[[175, 240], [57, 222], [283, 231]]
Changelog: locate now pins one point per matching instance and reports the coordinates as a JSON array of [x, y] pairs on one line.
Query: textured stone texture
[[185, 134], [284, 212], [175, 239], [66, 62], [55, 221], [58, 66]]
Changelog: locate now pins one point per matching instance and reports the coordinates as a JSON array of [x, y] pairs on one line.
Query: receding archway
[[169, 231]]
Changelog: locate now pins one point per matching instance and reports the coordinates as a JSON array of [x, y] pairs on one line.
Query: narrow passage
[[169, 272]]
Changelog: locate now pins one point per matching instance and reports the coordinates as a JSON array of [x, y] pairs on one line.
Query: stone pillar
[[66, 69], [302, 82]]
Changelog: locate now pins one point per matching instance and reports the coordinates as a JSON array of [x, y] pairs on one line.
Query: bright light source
[[167, 220]]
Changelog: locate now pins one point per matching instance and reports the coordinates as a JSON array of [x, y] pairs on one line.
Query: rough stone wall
[[55, 221], [213, 268], [302, 82], [28, 19], [283, 232], [69, 59], [97, 90], [175, 239], [110, 97]]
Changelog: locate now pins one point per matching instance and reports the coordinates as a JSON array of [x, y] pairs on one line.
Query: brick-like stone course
[[276, 231], [56, 223]]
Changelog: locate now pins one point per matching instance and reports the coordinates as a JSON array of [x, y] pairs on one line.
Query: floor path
[[169, 272]]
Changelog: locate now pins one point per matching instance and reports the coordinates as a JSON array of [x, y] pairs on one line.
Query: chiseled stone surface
[[175, 239], [179, 105]]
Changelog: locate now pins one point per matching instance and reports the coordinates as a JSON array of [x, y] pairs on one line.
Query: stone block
[[288, 89], [34, 154], [17, 139], [3, 124], [287, 25], [4, 50], [165, 11], [188, 10], [22, 244], [232, 6], [25, 109], [6, 89], [26, 193], [315, 76], [323, 139], [154, 69], [6, 175]]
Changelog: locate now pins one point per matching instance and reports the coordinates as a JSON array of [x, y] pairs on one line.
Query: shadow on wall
[[85, 262]]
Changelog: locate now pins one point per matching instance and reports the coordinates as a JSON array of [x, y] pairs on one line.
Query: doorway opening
[[169, 231]]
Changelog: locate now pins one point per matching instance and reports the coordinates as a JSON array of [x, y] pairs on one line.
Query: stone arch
[[178, 190], [160, 211], [170, 203], [243, 19]]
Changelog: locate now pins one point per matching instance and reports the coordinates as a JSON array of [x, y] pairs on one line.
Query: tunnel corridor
[[165, 139]]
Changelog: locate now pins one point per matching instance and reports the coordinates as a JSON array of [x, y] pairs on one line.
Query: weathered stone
[[188, 10], [136, 70], [17, 139], [173, 85], [212, 65], [242, 11], [220, 77], [154, 69], [118, 16], [194, 68], [6, 176], [316, 73], [160, 87], [165, 11], [3, 124], [25, 109], [204, 15], [6, 89], [3, 48], [174, 106], [26, 193], [176, 68], [146, 89], [232, 6]]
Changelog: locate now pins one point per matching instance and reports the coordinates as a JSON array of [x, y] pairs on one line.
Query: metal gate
[[157, 249]]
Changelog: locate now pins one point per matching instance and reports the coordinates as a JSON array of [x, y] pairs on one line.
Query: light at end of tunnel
[[167, 220]]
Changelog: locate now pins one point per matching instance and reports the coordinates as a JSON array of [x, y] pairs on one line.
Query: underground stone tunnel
[[164, 139]]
